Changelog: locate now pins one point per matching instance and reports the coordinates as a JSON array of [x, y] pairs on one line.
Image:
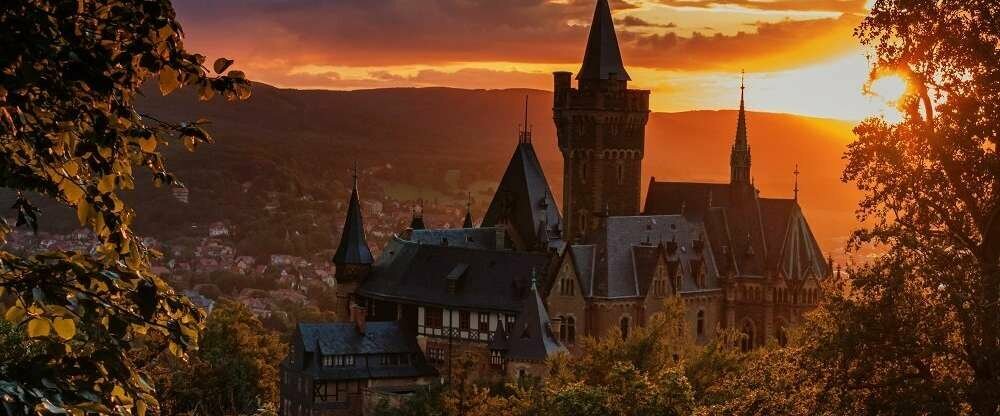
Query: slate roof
[[625, 257], [603, 58], [750, 235], [353, 248], [482, 238], [342, 338], [531, 338], [524, 200], [408, 271]]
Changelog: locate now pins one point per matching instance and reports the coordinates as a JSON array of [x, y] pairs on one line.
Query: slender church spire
[[353, 249], [603, 58], [467, 222], [739, 160]]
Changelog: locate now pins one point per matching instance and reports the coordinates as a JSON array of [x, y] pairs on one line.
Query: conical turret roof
[[603, 58], [353, 248]]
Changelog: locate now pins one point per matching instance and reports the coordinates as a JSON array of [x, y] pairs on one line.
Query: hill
[[294, 148]]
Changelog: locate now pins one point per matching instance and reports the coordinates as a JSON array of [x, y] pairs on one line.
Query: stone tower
[[353, 257], [601, 126]]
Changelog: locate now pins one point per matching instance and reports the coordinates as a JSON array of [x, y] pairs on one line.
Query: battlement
[[609, 95]]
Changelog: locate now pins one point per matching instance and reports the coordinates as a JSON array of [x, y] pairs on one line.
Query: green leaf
[[65, 328], [39, 327]]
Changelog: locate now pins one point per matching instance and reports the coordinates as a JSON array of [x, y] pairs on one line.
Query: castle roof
[[353, 248], [343, 338], [531, 337], [603, 58], [452, 276], [524, 201]]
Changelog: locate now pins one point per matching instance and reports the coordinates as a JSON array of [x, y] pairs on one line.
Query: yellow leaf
[[168, 80], [66, 328], [148, 145], [140, 408], [71, 190], [72, 168], [107, 184], [15, 314], [84, 211], [39, 327]]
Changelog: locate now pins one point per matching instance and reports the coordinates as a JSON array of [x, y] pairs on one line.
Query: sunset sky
[[799, 55]]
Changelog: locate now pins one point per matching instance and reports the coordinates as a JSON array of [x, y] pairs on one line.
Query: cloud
[[269, 37], [632, 21], [472, 78], [844, 6]]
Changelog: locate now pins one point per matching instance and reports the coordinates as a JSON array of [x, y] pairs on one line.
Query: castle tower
[[739, 158], [601, 126], [353, 257]]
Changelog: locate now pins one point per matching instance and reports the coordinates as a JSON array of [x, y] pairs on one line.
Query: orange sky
[[799, 54]]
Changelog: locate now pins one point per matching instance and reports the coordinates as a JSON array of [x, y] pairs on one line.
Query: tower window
[[700, 328], [621, 173], [625, 326], [567, 286], [583, 172]]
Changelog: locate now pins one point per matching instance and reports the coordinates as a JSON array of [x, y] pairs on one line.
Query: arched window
[[781, 334], [746, 343], [700, 326], [624, 327], [570, 329]]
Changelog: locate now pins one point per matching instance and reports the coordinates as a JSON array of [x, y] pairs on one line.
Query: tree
[[931, 188], [69, 131], [234, 372]]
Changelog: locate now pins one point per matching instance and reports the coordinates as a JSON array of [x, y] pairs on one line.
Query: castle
[[531, 280]]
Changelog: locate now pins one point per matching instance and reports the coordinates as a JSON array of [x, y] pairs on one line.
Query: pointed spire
[[524, 135], [739, 159], [603, 59], [796, 189], [467, 222], [353, 248]]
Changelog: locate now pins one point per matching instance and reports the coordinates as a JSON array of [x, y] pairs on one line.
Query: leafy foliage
[[234, 371], [924, 314], [69, 131]]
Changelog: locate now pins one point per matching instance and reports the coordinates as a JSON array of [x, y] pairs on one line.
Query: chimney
[[358, 315]]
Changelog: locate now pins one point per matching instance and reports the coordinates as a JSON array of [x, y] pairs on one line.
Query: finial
[[354, 174], [796, 189], [743, 76], [525, 134]]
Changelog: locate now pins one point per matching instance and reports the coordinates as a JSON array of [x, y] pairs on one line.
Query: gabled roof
[[418, 273], [524, 201], [353, 248], [603, 58], [482, 238], [531, 337], [794, 250], [343, 338]]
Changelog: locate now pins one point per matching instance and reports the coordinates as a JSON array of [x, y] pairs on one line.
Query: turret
[[739, 158], [353, 258]]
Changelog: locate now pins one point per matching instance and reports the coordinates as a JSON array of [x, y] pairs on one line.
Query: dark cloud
[[846, 6], [632, 21], [269, 37]]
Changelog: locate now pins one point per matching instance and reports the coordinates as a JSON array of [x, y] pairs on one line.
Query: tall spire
[[739, 159], [353, 248], [603, 58], [525, 135]]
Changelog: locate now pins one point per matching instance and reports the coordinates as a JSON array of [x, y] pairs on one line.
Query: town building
[[347, 368]]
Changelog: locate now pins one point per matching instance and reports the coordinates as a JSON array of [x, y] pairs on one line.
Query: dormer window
[[660, 281], [338, 361]]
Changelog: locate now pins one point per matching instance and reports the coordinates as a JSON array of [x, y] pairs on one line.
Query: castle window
[[433, 317], [484, 321], [570, 325], [583, 220], [496, 359], [567, 287], [583, 172], [435, 354], [621, 173], [463, 319], [625, 326], [700, 326], [562, 328], [660, 282], [746, 343], [338, 360]]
